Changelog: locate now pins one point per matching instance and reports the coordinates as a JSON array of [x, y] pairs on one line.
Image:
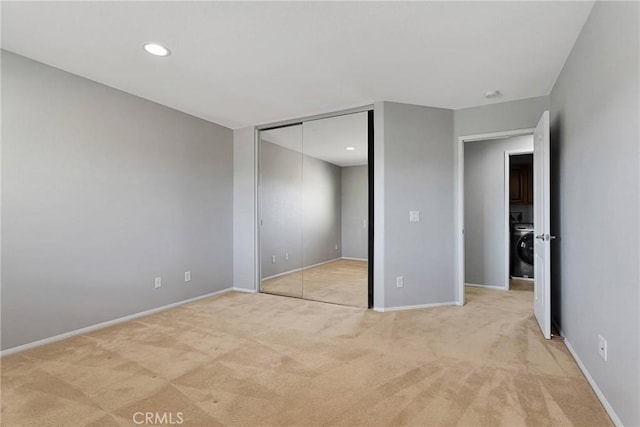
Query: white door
[[542, 241]]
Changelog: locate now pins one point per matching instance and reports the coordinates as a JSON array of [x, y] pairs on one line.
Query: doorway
[[497, 205], [316, 218], [541, 213]]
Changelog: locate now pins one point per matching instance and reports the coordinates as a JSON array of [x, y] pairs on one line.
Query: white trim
[[284, 273], [379, 258], [475, 285], [321, 263], [605, 403], [245, 290], [302, 268], [354, 259], [459, 199], [458, 209], [496, 135], [507, 215], [507, 212], [257, 213], [413, 307], [106, 324]]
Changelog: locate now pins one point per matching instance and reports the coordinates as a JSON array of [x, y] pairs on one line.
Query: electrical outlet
[[158, 282], [414, 216], [273, 259], [286, 255], [187, 276], [399, 282], [336, 247], [602, 347]]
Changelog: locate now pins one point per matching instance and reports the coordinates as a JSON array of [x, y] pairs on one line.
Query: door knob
[[545, 237]]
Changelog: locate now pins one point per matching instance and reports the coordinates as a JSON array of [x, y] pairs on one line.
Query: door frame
[[459, 199], [507, 213]]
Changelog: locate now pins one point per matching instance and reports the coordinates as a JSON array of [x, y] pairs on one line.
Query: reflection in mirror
[[281, 211], [314, 210], [335, 210]]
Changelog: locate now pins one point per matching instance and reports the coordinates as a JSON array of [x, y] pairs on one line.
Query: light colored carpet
[[339, 282], [242, 359], [520, 285]]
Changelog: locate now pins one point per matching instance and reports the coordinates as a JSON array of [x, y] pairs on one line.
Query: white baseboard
[[106, 324], [300, 269], [284, 273], [354, 259], [605, 403], [245, 290], [412, 307], [475, 285]]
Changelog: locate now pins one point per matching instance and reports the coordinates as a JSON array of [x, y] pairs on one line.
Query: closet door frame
[[294, 122]]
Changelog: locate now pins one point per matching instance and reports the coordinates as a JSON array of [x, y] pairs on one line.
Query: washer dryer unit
[[522, 250]]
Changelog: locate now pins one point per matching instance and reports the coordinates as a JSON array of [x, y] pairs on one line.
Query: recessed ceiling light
[[492, 93], [156, 49], [351, 148]]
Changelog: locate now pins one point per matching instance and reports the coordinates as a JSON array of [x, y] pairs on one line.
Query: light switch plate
[[414, 216]]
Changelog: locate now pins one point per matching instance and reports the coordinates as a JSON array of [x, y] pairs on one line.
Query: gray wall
[[101, 192], [355, 212], [595, 134], [484, 210], [244, 209], [521, 114], [322, 210], [418, 175], [301, 210]]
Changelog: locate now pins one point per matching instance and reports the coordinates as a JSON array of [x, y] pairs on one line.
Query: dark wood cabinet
[[521, 184]]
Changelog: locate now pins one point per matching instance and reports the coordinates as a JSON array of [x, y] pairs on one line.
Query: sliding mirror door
[[335, 210], [314, 223], [281, 211]]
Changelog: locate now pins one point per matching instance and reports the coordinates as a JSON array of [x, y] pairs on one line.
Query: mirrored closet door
[[281, 211], [314, 210]]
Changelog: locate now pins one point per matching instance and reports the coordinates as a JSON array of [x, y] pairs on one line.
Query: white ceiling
[[327, 139], [246, 63]]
